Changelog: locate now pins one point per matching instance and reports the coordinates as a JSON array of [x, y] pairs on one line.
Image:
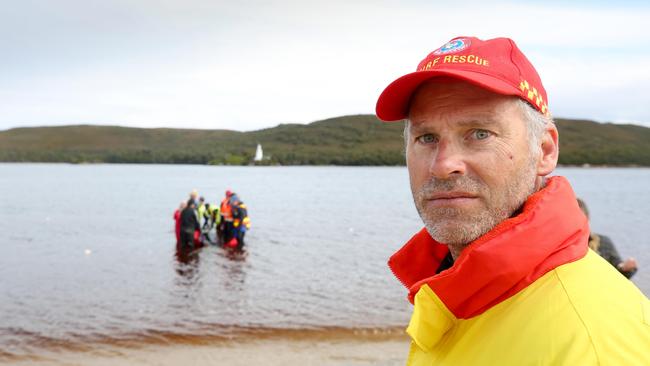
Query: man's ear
[[550, 151]]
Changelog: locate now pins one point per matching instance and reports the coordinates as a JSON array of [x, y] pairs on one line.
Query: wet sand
[[330, 348]]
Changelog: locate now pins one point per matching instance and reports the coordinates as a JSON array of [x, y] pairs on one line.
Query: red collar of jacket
[[550, 231]]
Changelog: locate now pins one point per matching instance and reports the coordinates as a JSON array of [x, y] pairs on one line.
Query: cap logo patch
[[455, 45]]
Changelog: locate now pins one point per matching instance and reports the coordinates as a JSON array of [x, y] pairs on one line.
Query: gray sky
[[247, 65]]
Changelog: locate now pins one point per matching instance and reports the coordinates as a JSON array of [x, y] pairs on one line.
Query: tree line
[[348, 140]]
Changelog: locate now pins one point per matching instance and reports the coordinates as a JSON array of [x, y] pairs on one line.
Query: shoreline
[[334, 346]]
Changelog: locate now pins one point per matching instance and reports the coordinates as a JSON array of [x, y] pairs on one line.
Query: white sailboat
[[259, 155]]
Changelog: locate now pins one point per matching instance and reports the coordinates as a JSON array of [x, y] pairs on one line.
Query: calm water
[[88, 251]]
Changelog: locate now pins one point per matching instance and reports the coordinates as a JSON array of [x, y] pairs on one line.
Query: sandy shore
[[327, 349]]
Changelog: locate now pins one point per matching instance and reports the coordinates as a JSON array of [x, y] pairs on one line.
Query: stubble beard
[[456, 227]]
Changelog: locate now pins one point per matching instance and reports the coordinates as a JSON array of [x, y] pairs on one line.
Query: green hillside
[[348, 140]]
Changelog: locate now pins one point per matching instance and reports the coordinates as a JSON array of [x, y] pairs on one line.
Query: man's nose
[[448, 161]]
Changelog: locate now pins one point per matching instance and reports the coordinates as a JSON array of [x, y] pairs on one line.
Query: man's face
[[469, 160]]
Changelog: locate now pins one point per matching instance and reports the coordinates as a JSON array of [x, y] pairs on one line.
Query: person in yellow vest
[[501, 273], [214, 214], [201, 212], [212, 218]]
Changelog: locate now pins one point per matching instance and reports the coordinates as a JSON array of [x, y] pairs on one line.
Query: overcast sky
[[247, 65]]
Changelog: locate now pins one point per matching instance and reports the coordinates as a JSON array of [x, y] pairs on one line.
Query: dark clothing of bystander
[[189, 224], [604, 246]]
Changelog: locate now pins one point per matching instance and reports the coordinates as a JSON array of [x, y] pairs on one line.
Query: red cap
[[228, 193], [496, 65]]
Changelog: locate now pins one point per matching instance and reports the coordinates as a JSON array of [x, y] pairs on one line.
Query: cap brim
[[393, 103]]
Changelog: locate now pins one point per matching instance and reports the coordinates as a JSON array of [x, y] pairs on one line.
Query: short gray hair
[[536, 123]]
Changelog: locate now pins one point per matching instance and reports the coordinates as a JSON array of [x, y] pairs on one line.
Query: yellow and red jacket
[[529, 292], [240, 215]]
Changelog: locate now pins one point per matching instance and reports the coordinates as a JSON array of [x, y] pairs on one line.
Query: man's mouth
[[452, 198]]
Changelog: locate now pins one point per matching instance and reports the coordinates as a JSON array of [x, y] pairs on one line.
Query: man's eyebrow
[[483, 121], [478, 121]]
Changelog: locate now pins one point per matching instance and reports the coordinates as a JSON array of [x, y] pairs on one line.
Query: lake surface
[[88, 254]]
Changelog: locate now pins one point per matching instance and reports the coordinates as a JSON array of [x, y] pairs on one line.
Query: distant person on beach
[[501, 273], [604, 246], [177, 221], [189, 225]]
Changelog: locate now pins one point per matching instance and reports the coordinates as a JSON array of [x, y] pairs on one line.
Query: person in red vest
[[226, 218], [177, 221]]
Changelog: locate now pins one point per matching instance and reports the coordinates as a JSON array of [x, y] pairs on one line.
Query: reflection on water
[[234, 274], [187, 262], [227, 263], [211, 280]]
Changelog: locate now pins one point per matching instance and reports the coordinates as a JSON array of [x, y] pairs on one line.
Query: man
[[194, 196], [501, 274], [241, 221], [604, 246], [226, 218], [200, 211], [211, 217], [189, 225]]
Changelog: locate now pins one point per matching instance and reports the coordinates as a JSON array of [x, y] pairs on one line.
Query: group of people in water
[[198, 222]]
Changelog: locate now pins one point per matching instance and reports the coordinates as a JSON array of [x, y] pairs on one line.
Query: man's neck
[[456, 249]]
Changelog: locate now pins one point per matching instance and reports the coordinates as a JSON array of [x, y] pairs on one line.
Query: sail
[[258, 153]]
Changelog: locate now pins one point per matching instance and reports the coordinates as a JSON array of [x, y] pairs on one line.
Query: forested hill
[[348, 140]]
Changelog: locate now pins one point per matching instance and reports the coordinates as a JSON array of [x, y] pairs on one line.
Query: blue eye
[[481, 134], [427, 139]]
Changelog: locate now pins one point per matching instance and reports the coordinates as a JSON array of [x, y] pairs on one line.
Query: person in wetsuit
[[189, 224], [604, 246]]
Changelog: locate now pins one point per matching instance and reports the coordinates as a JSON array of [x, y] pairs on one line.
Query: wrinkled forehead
[[442, 99]]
